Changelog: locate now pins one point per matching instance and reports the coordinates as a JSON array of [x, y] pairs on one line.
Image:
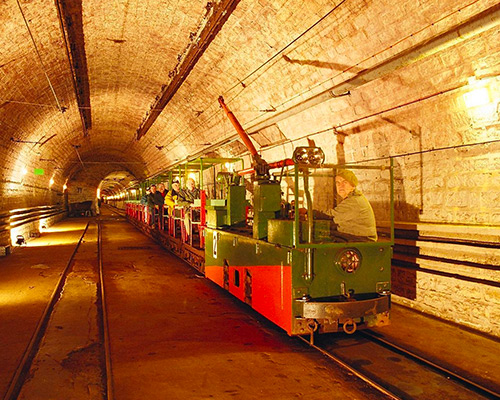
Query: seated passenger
[[186, 199], [144, 202], [144, 198], [154, 201], [354, 215], [187, 196], [172, 196], [161, 190]]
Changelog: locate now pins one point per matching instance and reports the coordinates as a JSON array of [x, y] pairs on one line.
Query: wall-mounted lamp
[[477, 97], [65, 187], [482, 102], [51, 182]]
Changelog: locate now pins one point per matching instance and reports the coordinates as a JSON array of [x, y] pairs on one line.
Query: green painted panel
[[241, 250], [281, 231], [375, 267]]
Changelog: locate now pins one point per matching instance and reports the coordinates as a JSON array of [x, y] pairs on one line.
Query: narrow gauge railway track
[[466, 382], [346, 365], [104, 317], [396, 372], [55, 333]]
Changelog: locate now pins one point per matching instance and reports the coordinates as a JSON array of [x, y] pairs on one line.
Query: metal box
[[216, 216]]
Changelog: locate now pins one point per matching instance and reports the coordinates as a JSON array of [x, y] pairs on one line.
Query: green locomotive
[[291, 267]]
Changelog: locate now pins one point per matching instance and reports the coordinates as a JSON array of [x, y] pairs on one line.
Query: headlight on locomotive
[[348, 260]]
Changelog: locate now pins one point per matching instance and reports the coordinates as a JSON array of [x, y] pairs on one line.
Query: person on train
[[151, 204], [161, 189], [155, 205], [144, 198], [188, 195], [144, 202], [186, 199], [172, 196], [353, 216]]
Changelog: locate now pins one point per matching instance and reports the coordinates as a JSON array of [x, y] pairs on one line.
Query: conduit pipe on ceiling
[[478, 24], [222, 11]]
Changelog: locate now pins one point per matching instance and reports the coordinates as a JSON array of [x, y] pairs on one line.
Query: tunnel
[[102, 99]]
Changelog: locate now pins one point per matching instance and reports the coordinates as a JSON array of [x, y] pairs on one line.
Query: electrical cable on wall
[[40, 59]]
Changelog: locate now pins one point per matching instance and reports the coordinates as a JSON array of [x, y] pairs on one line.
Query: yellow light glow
[[42, 225], [477, 97], [65, 187], [63, 228], [24, 171], [51, 241], [51, 182], [98, 193], [13, 233]]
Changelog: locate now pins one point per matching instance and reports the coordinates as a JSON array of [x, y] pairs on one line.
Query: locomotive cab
[[339, 282]]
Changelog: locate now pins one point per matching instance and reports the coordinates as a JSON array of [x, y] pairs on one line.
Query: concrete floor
[[28, 278], [175, 335]]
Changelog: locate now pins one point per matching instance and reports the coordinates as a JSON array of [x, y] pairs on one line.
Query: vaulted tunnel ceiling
[[94, 86]]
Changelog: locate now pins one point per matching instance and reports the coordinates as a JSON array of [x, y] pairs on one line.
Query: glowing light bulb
[[477, 97]]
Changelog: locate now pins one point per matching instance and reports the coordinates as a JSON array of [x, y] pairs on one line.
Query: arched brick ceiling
[[119, 56], [128, 48]]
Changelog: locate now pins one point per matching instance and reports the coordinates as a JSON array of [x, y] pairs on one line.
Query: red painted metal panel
[[272, 294], [271, 290], [215, 273]]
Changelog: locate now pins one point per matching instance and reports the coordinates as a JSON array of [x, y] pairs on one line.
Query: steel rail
[[440, 369], [355, 372], [24, 366], [104, 319]]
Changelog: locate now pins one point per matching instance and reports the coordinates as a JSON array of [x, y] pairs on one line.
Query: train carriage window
[[236, 278]]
